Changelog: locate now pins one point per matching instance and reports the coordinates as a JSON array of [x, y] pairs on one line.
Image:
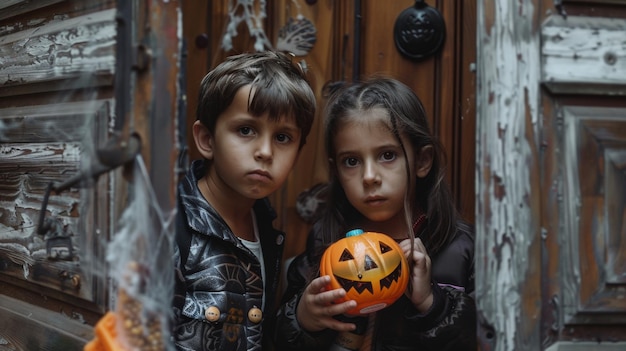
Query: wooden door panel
[[17, 7], [584, 73], [61, 54], [57, 67], [584, 55], [85, 86], [43, 144], [593, 148], [550, 235], [27, 327]]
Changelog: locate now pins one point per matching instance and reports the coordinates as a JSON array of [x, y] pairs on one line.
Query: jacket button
[[212, 314], [255, 315]]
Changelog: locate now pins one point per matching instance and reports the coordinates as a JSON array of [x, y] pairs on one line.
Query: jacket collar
[[202, 217]]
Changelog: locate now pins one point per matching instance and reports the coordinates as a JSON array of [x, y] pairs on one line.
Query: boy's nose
[[263, 149]]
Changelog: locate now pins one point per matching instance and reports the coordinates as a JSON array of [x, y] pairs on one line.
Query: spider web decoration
[[243, 11], [297, 36]]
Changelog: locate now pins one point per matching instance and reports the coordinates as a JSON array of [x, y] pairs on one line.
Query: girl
[[386, 176]]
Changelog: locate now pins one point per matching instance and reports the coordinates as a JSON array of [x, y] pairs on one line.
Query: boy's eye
[[350, 161], [283, 138], [245, 130], [388, 156]]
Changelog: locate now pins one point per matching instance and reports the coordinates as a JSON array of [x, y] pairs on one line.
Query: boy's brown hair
[[279, 88]]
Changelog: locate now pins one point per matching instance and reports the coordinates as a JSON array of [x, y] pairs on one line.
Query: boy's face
[[251, 156]]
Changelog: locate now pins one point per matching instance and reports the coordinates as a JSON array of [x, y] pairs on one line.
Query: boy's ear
[[424, 161], [332, 166], [203, 139]]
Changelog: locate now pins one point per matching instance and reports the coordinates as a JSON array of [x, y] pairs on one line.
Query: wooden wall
[[82, 80], [551, 148], [445, 82], [56, 103]]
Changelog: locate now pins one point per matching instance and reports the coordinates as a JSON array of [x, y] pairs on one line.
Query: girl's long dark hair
[[408, 118]]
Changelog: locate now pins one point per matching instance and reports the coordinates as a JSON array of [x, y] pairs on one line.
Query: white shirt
[[255, 248]]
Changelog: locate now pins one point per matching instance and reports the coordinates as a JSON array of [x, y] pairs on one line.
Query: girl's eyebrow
[[343, 153], [379, 148], [392, 145]]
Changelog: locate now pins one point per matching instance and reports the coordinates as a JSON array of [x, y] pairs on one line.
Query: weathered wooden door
[[444, 81], [88, 88], [551, 175]]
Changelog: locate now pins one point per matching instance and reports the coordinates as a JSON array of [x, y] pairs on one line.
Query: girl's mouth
[[374, 200]]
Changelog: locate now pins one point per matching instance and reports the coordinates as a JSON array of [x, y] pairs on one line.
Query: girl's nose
[[370, 174]]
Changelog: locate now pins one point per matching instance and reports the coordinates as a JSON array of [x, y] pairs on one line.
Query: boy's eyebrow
[[285, 124], [291, 128]]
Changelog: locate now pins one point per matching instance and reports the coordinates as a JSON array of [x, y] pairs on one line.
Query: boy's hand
[[315, 310], [421, 293]]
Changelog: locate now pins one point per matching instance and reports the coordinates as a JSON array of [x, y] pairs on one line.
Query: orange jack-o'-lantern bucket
[[369, 266]]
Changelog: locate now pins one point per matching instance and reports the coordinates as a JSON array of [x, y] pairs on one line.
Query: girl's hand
[[315, 310], [421, 293]]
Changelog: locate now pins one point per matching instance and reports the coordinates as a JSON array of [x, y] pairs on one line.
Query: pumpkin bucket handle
[[354, 232]]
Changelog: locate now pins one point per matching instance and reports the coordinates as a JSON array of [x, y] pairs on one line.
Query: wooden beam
[[584, 55]]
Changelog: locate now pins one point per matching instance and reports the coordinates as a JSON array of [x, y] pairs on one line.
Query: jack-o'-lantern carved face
[[370, 267]]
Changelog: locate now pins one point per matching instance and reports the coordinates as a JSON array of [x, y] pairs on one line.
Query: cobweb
[[252, 12], [140, 259]]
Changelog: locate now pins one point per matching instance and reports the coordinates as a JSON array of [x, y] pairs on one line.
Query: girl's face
[[371, 167]]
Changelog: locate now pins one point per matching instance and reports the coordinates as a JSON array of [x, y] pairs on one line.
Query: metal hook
[[558, 4], [115, 153]]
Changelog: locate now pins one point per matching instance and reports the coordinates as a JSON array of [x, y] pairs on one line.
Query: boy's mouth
[[260, 175]]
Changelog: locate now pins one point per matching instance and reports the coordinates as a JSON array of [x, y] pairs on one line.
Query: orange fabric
[[106, 335]]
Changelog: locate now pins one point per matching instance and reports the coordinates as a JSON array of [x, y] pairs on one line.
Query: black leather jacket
[[215, 270], [450, 324]]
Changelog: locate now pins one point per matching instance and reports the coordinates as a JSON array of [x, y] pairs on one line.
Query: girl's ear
[[203, 139], [424, 161]]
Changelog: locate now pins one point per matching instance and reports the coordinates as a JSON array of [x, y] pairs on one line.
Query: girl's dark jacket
[[450, 324], [214, 269]]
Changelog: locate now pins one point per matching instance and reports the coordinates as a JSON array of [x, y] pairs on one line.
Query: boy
[[254, 114]]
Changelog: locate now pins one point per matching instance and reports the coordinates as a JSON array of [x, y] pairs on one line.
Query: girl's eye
[[388, 156], [283, 138], [245, 130], [350, 161]]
